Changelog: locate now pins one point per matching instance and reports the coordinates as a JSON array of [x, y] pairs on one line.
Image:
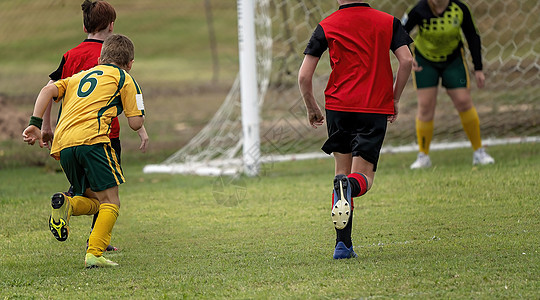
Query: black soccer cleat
[[60, 214]]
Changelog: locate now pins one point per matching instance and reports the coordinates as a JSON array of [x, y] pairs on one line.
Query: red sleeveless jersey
[[359, 40]]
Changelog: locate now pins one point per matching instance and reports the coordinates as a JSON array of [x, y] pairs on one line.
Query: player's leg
[[339, 143], [426, 82], [427, 102], [104, 175], [471, 124], [63, 205], [366, 134], [341, 194], [427, 99], [461, 97], [342, 207], [359, 182], [456, 80], [117, 149], [101, 234]]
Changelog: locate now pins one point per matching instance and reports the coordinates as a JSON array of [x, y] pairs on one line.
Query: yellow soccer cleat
[[92, 261], [59, 219]]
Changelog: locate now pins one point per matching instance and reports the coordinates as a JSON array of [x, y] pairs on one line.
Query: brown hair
[[117, 49], [97, 15]]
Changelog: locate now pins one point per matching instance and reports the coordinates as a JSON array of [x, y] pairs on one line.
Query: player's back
[[91, 99], [359, 39], [82, 57]]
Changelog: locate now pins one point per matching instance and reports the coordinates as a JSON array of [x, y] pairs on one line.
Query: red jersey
[[359, 39], [83, 57]]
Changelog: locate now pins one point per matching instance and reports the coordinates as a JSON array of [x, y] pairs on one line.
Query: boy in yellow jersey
[[91, 99]]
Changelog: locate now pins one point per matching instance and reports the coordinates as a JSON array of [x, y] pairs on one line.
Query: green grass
[[171, 40], [453, 231]]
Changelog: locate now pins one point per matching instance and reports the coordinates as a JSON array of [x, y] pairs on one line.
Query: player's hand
[[393, 118], [144, 139], [47, 136], [32, 134], [480, 79], [415, 66], [315, 118]]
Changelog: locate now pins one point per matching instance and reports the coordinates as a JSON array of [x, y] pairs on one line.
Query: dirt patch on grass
[[12, 120]]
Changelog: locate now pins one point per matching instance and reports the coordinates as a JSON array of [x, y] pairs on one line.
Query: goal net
[[508, 106]]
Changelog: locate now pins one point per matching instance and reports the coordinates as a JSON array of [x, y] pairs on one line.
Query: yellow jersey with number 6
[[91, 99]]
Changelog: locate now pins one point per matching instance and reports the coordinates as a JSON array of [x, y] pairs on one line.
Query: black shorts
[[361, 134]]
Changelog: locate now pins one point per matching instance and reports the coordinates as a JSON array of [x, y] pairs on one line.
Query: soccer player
[[360, 98], [91, 99], [98, 22], [439, 53]]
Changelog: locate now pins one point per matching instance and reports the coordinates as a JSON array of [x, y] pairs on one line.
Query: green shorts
[[91, 166], [454, 73]]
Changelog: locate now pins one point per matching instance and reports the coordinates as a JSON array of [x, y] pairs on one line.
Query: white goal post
[[237, 140], [251, 151]]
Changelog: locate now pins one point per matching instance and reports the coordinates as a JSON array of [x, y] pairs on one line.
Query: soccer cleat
[[92, 261], [480, 157], [421, 162], [59, 219], [341, 208], [342, 251]]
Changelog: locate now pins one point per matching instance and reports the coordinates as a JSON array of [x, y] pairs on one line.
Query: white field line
[[231, 167]]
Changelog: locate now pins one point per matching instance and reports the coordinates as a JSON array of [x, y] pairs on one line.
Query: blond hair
[[117, 49]]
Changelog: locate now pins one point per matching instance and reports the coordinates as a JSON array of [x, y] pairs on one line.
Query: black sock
[[355, 187], [94, 221], [344, 235]]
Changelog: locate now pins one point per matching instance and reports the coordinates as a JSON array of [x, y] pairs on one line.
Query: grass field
[[453, 231]]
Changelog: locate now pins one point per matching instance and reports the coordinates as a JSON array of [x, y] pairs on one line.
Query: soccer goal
[[508, 106]]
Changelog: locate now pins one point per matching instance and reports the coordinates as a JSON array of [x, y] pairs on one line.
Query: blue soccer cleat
[[342, 252]]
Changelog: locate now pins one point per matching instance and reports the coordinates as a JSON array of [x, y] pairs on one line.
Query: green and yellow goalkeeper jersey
[[439, 36], [90, 100]]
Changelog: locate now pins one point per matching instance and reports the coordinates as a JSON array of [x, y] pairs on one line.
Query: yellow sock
[[424, 134], [471, 125], [84, 206], [101, 234]]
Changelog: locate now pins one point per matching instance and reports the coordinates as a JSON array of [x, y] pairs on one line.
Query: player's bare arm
[[305, 83], [405, 60], [143, 135], [32, 133], [46, 129], [136, 122], [480, 78]]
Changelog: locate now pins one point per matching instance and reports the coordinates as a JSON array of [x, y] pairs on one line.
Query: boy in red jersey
[[360, 98], [90, 100], [98, 22]]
